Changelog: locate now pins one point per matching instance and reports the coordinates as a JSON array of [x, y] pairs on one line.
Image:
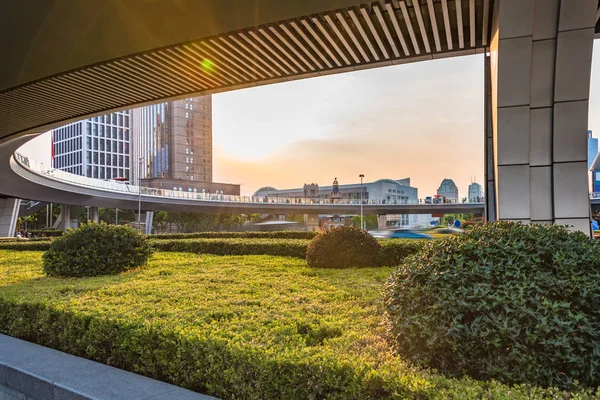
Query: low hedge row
[[214, 366], [47, 232], [22, 240], [392, 250], [238, 235], [234, 247], [25, 244]]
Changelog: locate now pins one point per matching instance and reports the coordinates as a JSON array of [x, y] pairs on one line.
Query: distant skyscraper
[[448, 188], [174, 142], [98, 147], [475, 191], [592, 149]]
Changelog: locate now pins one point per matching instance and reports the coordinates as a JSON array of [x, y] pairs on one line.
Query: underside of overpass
[[67, 63], [306, 45]]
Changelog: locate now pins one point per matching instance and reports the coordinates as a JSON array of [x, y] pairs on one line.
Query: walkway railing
[[41, 169]]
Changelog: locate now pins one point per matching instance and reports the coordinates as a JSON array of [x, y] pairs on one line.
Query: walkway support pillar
[[540, 63], [311, 221], [95, 214], [65, 217], [382, 222], [149, 220], [9, 213]]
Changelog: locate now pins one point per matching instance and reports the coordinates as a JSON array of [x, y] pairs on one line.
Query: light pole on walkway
[[361, 201]]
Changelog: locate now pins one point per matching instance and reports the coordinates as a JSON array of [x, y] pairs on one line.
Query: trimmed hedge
[[25, 244], [96, 249], [506, 301], [235, 247], [238, 235], [21, 240], [47, 232], [393, 251], [344, 247]]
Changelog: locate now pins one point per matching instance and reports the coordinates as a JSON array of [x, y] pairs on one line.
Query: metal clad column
[[9, 213], [574, 44], [540, 62], [488, 143]]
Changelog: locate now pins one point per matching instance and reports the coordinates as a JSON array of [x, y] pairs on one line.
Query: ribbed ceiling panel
[[378, 34]]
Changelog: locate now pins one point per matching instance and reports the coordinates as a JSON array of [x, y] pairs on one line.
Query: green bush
[[512, 302], [239, 235], [343, 247], [230, 247], [393, 251], [96, 249]]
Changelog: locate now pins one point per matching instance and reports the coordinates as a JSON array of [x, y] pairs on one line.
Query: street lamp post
[[140, 161], [362, 226]]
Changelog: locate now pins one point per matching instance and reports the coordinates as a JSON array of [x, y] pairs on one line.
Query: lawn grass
[[256, 327]]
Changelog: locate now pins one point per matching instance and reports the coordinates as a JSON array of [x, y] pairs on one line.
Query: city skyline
[[426, 128]]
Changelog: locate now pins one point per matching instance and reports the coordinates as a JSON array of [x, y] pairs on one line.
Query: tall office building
[[167, 145], [98, 147], [173, 146], [449, 189], [475, 192]]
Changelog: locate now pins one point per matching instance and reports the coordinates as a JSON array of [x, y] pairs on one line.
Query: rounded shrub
[[343, 247], [96, 249], [511, 302]]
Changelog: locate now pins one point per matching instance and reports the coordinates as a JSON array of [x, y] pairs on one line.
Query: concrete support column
[[65, 217], [311, 221], [9, 213], [149, 220], [382, 221], [95, 214], [540, 63]]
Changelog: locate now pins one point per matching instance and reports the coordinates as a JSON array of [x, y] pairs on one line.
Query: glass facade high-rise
[[174, 141], [173, 146], [475, 192], [151, 130], [448, 189], [98, 147], [168, 145]]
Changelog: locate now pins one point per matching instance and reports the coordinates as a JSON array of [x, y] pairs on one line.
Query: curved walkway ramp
[[63, 187], [32, 372]]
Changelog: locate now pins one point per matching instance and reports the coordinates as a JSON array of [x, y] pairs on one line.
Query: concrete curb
[[30, 371]]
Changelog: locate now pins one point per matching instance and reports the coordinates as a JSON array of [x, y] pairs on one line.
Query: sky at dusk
[[421, 120]]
